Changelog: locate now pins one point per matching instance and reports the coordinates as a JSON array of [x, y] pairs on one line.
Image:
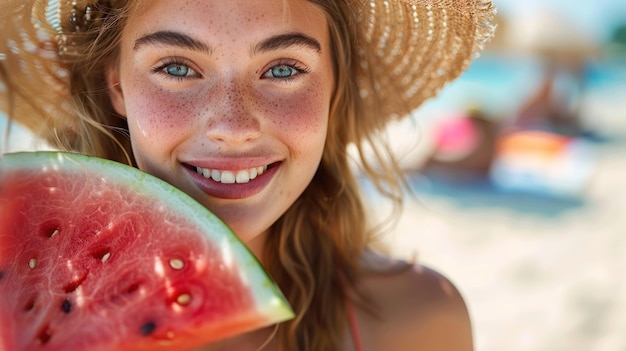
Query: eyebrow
[[282, 41], [172, 39], [186, 42]]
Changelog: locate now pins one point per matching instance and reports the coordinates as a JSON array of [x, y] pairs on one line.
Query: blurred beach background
[[518, 179], [519, 191]]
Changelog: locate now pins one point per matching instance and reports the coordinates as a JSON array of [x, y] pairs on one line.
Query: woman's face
[[228, 101]]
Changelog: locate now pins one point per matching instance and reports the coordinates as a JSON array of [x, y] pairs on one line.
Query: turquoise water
[[498, 84], [514, 73]]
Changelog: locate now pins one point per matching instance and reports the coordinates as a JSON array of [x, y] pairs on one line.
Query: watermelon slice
[[95, 255]]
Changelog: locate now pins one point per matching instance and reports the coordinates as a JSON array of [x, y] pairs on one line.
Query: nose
[[233, 120]]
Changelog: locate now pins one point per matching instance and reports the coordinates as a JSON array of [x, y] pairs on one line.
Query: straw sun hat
[[409, 49]]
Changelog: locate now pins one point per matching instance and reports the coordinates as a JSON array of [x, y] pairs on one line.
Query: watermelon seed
[[1, 275], [66, 306], [50, 229], [105, 257], [183, 299], [177, 264], [147, 328], [32, 263]]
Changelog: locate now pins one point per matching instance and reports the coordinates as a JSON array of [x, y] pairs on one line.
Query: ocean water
[[494, 79]]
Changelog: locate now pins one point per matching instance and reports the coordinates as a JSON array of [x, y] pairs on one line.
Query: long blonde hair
[[314, 249]]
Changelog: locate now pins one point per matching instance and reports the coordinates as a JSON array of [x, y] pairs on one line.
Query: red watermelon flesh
[[95, 255]]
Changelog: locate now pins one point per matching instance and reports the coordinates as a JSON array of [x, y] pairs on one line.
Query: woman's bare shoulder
[[415, 308]]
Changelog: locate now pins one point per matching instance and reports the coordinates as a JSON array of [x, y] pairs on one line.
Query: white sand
[[546, 277]]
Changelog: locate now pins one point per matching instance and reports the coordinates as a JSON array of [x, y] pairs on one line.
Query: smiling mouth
[[241, 176]]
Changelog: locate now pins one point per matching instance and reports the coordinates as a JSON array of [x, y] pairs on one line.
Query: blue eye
[[284, 71], [178, 70]]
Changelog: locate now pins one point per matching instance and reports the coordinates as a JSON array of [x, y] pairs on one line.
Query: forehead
[[238, 17]]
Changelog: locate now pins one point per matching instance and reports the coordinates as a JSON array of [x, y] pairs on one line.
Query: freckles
[[230, 109], [302, 113], [162, 119], [313, 110]]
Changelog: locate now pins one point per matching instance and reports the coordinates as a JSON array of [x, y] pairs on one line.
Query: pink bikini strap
[[354, 326]]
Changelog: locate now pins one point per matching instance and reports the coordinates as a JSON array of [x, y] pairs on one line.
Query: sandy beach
[[538, 274]]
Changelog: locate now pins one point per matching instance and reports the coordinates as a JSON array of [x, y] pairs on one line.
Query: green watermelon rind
[[270, 301]]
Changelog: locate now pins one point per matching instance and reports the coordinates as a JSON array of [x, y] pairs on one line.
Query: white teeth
[[231, 177], [228, 177], [216, 175], [242, 177]]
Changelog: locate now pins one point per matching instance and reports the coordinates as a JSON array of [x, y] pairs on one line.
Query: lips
[[232, 183]]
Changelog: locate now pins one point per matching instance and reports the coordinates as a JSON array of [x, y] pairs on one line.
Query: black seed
[[1, 275], [66, 306], [147, 328]]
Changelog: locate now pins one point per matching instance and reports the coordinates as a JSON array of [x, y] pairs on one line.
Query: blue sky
[[598, 16]]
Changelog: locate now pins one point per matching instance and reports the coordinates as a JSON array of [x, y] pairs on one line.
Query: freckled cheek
[[300, 117], [160, 115]]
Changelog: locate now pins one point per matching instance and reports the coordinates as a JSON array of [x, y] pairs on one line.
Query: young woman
[[250, 107]]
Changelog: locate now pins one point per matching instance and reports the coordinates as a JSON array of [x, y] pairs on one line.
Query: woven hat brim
[[417, 46]]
